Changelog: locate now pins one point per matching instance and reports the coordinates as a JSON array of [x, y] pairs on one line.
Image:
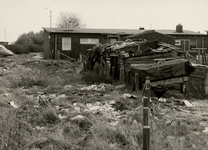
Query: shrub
[[91, 77]]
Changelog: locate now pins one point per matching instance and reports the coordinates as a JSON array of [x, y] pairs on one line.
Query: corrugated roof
[[116, 31]]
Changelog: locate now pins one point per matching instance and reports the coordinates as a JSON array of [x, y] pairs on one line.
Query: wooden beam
[[137, 82]]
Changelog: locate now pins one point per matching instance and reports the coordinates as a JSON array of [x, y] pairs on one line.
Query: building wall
[[195, 41], [76, 47], [46, 48]]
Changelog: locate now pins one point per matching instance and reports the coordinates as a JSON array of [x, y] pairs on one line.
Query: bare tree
[[65, 17]]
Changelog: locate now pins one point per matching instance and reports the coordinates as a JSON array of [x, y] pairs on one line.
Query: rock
[[94, 108], [60, 97], [68, 87], [77, 104], [82, 121], [205, 130], [187, 103], [162, 100]]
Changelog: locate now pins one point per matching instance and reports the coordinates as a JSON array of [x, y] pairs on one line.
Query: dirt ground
[[21, 81]]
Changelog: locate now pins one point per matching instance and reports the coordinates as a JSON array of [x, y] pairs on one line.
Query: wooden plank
[[121, 78], [164, 55], [137, 82], [170, 81], [113, 72]]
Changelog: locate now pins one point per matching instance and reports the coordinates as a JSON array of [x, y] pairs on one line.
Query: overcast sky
[[21, 16]]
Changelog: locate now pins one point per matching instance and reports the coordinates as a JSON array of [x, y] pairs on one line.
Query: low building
[[70, 42]]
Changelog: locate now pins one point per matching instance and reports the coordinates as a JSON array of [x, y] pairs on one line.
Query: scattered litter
[[188, 104], [62, 117], [79, 117], [39, 128], [13, 104], [162, 100], [125, 96], [120, 86]]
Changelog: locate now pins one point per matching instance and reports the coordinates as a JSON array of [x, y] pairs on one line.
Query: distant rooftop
[[116, 31]]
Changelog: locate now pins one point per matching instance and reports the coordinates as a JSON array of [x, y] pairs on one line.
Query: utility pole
[[48, 6], [5, 36]]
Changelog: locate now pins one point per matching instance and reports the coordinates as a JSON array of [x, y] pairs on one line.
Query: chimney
[[141, 28], [179, 28], [70, 25]]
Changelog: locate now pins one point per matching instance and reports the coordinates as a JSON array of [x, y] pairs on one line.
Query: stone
[[68, 87]]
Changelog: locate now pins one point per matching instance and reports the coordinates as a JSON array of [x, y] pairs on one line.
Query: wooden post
[[146, 102], [128, 76], [56, 47], [145, 116], [137, 82], [146, 105], [199, 54], [121, 78], [113, 72], [146, 137]]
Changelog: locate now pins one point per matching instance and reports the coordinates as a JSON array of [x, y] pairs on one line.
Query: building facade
[[65, 42]]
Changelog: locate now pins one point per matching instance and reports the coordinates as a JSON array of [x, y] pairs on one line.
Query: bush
[[92, 78], [24, 49]]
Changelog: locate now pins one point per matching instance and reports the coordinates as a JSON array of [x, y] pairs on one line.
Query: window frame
[[66, 45], [89, 40]]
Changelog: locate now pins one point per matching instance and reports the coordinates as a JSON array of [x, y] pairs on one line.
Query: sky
[[22, 16]]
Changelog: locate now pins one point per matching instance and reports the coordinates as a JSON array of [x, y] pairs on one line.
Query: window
[[89, 41], [193, 43], [177, 42], [113, 40], [66, 44]]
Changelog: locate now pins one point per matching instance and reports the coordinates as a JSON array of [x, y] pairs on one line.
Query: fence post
[[137, 82], [113, 72], [146, 105], [121, 78]]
